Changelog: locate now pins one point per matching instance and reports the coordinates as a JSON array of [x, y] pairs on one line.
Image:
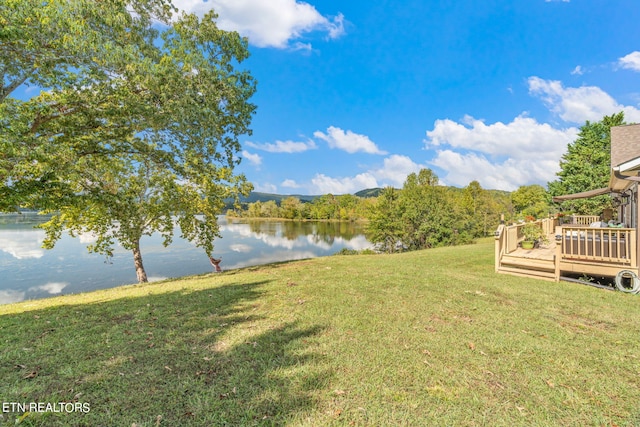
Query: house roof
[[625, 147], [625, 155]]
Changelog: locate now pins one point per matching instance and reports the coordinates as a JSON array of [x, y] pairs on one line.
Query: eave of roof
[[582, 195]]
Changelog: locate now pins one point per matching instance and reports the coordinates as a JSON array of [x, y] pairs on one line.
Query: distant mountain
[[256, 196], [369, 192]]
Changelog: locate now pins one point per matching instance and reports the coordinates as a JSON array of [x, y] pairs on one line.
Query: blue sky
[[358, 94]]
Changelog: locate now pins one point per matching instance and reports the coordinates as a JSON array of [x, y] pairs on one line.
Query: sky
[[359, 94]]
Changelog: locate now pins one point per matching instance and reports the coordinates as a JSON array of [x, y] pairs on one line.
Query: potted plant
[[560, 216], [533, 234]]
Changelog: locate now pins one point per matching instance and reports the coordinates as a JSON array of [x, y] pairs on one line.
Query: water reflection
[[27, 271], [22, 244], [51, 288]]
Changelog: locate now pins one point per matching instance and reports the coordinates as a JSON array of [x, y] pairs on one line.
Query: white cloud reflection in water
[[51, 288], [22, 244], [7, 296], [29, 272]]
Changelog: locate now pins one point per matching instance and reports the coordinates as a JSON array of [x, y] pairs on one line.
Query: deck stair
[[525, 266]]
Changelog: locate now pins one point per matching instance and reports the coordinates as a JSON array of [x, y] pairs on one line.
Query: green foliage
[[291, 208], [421, 215], [587, 166], [369, 192], [135, 128], [385, 228], [531, 200], [347, 251], [533, 232], [481, 209], [345, 207]]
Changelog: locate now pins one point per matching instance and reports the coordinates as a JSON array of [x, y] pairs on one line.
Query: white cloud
[[322, 184], [284, 146], [240, 247], [630, 61], [290, 183], [580, 104], [265, 187], [523, 138], [51, 287], [462, 168], [273, 23], [9, 296], [395, 170], [348, 141], [499, 156], [254, 159], [22, 244], [578, 71], [87, 237], [358, 243]]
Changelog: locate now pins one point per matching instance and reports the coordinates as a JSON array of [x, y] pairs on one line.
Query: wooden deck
[[597, 252], [544, 251], [538, 262]]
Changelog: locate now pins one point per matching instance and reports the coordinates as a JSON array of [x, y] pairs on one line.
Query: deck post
[[635, 244], [498, 246], [558, 256], [633, 247]]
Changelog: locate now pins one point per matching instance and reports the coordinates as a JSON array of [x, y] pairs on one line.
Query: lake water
[[29, 272]]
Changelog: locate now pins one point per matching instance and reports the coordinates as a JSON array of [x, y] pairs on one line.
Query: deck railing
[[579, 248], [507, 238], [583, 219], [608, 245]]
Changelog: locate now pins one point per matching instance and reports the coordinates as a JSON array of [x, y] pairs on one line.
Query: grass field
[[418, 339]]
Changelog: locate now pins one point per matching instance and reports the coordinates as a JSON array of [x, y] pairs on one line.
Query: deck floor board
[[544, 251]]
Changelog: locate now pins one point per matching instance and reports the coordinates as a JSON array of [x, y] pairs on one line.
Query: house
[[586, 245]]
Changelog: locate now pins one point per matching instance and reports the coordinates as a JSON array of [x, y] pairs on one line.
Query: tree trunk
[[137, 261]]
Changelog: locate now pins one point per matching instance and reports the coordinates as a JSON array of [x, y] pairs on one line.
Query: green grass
[[424, 338]]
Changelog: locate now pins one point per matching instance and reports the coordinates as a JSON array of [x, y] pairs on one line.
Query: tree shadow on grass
[[201, 358]]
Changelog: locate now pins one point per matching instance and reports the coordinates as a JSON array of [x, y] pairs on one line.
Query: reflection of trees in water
[[328, 231], [321, 231], [23, 218]]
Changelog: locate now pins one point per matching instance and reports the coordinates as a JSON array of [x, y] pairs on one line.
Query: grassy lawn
[[425, 338]]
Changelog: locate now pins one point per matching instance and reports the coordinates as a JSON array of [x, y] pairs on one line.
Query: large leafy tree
[[531, 200], [421, 215], [385, 228], [586, 166], [134, 122], [481, 211], [430, 216]]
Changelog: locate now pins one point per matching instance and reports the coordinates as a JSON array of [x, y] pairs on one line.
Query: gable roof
[[625, 156], [625, 147]]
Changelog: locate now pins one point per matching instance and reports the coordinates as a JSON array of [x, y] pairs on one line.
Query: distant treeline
[[345, 207], [421, 214]]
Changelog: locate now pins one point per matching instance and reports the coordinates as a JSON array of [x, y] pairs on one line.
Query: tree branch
[[6, 90]]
